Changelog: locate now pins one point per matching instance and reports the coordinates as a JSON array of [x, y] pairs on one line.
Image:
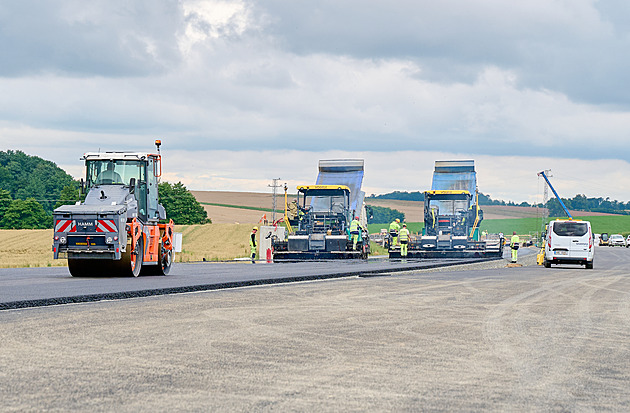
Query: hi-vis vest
[[403, 235]]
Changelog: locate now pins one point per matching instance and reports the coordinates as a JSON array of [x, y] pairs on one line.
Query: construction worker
[[252, 244], [403, 235], [354, 232], [394, 227], [514, 243]]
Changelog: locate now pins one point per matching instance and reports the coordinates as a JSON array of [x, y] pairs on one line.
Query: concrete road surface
[[482, 338]]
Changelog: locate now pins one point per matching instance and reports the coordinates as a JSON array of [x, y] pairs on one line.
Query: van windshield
[[570, 229]]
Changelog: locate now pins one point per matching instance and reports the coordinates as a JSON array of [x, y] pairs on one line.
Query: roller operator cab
[[120, 228], [569, 242]]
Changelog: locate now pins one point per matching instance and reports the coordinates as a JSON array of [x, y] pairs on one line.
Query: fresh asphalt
[[34, 287]]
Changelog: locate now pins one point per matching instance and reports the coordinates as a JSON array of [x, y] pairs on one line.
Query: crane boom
[[542, 173]]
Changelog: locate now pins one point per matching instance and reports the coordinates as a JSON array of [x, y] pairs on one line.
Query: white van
[[569, 242]]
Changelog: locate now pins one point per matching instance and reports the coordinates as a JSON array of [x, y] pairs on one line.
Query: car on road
[[617, 240], [569, 242], [628, 241], [603, 240]]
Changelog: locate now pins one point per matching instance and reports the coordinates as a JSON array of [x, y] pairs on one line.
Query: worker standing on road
[[514, 243], [403, 235], [354, 232], [252, 244], [394, 227]]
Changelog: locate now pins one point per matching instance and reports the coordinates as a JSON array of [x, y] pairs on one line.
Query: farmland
[[248, 207], [236, 212]]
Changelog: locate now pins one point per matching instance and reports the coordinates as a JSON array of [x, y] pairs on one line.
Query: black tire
[[589, 265], [546, 263], [131, 262], [165, 260]]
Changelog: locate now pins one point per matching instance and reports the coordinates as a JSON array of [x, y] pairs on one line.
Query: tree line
[[579, 202], [32, 187], [383, 215]]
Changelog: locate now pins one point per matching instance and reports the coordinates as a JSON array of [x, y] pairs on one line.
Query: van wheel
[[546, 263], [589, 265]]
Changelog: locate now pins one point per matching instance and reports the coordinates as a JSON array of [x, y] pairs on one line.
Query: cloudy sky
[[243, 91]]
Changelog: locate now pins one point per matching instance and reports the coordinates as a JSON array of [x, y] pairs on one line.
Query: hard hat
[[357, 218], [405, 225], [255, 228], [397, 220]]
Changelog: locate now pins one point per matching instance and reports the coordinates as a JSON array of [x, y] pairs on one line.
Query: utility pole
[[274, 188]]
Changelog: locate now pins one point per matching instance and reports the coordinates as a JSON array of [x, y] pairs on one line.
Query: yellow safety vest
[[403, 235]]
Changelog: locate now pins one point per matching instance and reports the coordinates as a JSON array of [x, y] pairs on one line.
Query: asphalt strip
[[12, 305]]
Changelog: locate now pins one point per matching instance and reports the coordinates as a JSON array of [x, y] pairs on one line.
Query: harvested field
[[229, 215], [33, 247], [213, 242], [27, 248]]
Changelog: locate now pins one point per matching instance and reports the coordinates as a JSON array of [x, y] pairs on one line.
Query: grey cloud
[[577, 48], [84, 38]]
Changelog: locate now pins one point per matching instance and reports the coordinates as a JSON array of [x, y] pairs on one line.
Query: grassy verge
[[413, 227], [376, 249]]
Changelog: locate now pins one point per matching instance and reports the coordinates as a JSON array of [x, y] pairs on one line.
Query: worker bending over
[[252, 244], [403, 235], [514, 241], [394, 227], [354, 232]]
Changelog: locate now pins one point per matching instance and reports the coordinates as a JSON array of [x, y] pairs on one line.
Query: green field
[[614, 224]]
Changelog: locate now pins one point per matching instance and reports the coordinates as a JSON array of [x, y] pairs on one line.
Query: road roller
[[120, 229]]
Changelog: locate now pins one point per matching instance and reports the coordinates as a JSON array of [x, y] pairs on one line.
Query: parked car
[[628, 241], [617, 240], [603, 240], [569, 242]]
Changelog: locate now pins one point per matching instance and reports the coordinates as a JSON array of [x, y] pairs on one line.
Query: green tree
[[5, 201], [384, 215], [25, 214], [26, 176], [181, 206], [69, 195]]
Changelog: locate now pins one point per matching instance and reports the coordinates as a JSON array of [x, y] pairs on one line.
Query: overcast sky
[[241, 92]]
